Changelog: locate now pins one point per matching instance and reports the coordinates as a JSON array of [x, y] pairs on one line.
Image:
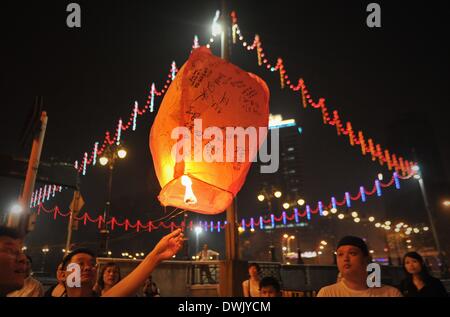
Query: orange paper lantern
[[221, 95]]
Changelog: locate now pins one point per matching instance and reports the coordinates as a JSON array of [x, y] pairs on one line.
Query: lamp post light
[[45, 250], [286, 248], [109, 159], [288, 243], [198, 230], [16, 208], [268, 196], [264, 195]]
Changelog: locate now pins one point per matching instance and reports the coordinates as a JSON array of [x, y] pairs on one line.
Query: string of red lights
[[377, 153], [122, 126], [251, 223]]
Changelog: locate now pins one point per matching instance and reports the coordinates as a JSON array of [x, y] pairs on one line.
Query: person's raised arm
[[166, 248]]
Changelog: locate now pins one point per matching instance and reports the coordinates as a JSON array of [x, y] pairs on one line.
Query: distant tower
[[288, 178]]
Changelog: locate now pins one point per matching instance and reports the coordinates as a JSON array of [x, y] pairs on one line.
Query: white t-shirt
[[254, 288], [207, 255], [341, 290]]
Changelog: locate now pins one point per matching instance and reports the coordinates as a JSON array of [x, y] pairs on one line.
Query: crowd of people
[[352, 257], [351, 254], [15, 279]]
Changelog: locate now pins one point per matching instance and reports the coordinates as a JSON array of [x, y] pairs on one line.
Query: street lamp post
[[232, 285], [44, 251], [198, 231], [186, 239], [230, 229], [76, 209], [224, 36], [288, 243], [418, 176], [107, 210], [23, 221], [286, 249], [109, 159], [264, 195]]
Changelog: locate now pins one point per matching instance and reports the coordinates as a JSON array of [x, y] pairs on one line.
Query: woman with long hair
[[108, 277], [418, 281], [250, 287]]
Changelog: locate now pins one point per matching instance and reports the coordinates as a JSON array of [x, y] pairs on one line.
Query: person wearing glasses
[[11, 276], [166, 248], [31, 287]]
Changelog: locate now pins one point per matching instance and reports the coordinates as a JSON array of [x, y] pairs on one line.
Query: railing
[[269, 269], [190, 278], [204, 272], [299, 293]]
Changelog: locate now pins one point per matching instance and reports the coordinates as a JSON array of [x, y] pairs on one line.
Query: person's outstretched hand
[[169, 245]]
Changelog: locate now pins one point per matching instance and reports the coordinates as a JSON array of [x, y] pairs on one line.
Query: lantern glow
[[189, 197], [179, 141]]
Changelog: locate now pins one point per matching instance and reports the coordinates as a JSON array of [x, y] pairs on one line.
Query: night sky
[[90, 77]]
